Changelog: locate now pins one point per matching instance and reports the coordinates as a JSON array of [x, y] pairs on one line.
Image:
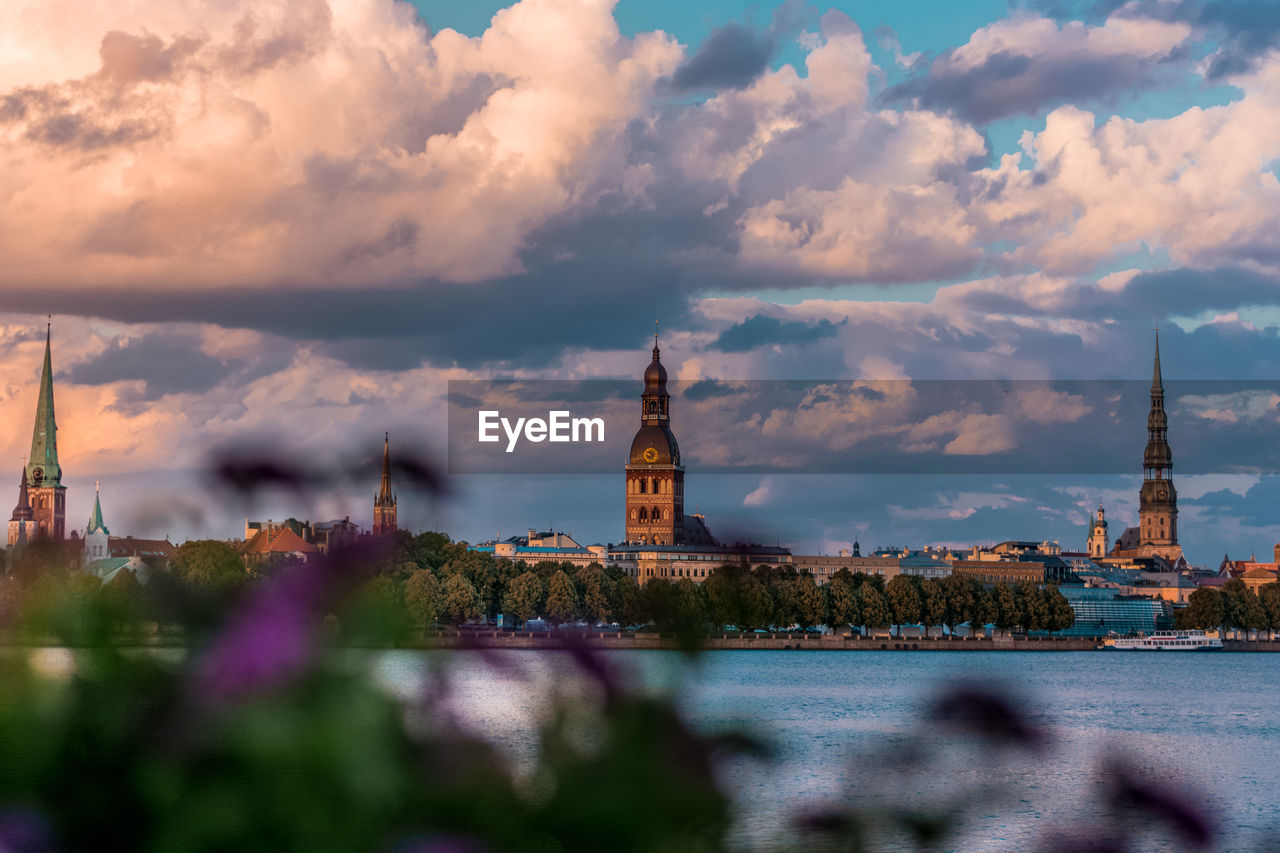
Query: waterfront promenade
[[796, 641]]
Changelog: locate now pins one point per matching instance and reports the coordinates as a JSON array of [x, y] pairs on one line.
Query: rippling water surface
[[839, 721]]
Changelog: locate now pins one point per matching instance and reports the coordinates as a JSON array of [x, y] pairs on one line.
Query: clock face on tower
[[37, 474], [650, 455], [1162, 494]]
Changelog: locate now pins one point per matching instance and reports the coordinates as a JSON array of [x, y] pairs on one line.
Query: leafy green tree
[[1205, 609], [690, 607], [933, 603], [377, 613], [42, 558], [562, 598], [982, 607], [845, 605], [957, 592], [1007, 612], [1269, 597], [1237, 611], [428, 550], [209, 564], [1253, 617], [874, 607], [458, 602], [780, 584], [525, 596], [811, 602], [482, 571], [595, 596], [757, 604], [422, 597], [1031, 606], [725, 589], [904, 601], [628, 602], [1059, 615]]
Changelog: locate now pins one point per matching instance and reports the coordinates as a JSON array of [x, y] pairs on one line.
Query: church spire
[[23, 511], [42, 467], [384, 505], [384, 489], [1157, 383], [1157, 461], [95, 520]]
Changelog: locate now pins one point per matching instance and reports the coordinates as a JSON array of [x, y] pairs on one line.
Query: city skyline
[[866, 191], [1157, 490]]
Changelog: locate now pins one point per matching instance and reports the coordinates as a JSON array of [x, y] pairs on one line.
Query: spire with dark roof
[[384, 505], [1157, 383], [43, 468], [384, 490], [23, 511], [1157, 461]]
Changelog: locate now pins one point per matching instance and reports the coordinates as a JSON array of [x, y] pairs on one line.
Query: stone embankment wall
[[775, 642]]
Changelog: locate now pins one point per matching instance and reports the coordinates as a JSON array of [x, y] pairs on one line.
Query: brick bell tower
[[1158, 500], [655, 474], [44, 475], [384, 504]]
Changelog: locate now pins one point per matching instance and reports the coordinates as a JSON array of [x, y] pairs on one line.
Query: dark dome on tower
[[655, 375], [654, 445]]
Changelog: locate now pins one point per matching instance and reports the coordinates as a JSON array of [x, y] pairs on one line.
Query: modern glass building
[[1101, 611]]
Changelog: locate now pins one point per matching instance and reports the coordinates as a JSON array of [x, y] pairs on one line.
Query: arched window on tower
[[656, 514], [643, 483], [644, 514]]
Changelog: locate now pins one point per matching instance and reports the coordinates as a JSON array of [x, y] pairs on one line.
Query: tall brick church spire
[[384, 505], [1158, 500], [43, 473]]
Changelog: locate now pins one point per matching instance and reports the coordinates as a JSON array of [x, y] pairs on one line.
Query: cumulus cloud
[[164, 363], [761, 330], [212, 145], [1023, 64], [731, 57]]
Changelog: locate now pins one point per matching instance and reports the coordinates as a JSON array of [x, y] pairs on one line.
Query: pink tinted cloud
[[201, 144]]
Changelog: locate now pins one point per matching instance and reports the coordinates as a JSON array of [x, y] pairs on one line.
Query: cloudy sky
[[293, 221]]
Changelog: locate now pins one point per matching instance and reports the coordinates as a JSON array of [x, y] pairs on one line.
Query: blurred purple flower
[[269, 640], [272, 637], [986, 714], [24, 830], [1171, 805]]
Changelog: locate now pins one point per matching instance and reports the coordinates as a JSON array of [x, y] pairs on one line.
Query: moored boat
[[1168, 641]]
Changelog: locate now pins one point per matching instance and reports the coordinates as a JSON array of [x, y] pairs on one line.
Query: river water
[[850, 727]]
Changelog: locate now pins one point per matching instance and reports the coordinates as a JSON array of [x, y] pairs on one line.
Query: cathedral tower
[[384, 505], [1098, 534], [1158, 500], [655, 474], [44, 474]]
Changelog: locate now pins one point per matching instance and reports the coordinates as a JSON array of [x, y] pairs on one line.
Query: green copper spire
[[95, 520], [43, 468]]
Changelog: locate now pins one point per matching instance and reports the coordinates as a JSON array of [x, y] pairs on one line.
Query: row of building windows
[[647, 486], [655, 514]]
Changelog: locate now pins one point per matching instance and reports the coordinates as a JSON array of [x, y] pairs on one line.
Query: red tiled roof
[[282, 541], [127, 546]]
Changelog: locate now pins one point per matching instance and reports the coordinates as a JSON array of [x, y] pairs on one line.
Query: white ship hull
[[1167, 641]]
